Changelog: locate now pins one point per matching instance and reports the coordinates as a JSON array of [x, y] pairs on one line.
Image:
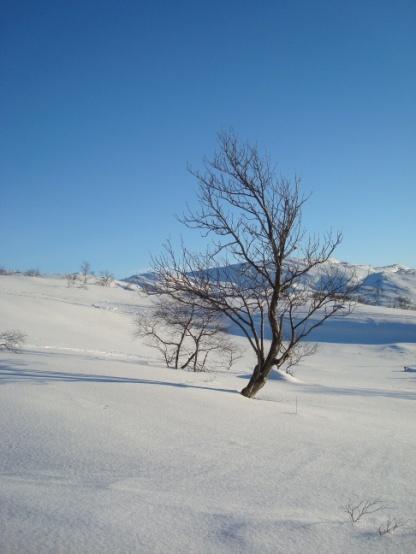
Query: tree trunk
[[257, 382]]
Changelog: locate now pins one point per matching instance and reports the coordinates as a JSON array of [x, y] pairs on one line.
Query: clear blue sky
[[103, 104]]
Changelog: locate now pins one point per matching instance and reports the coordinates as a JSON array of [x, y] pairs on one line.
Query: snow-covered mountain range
[[393, 286]]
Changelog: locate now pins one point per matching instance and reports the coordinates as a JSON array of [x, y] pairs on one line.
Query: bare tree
[[166, 327], [248, 272], [106, 278], [11, 340], [85, 271], [184, 334]]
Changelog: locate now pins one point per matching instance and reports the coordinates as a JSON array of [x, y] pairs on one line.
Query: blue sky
[[103, 104]]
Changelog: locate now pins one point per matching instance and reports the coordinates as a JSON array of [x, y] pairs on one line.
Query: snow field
[[105, 450]]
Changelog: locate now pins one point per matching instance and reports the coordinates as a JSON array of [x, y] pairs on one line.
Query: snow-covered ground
[[104, 450]]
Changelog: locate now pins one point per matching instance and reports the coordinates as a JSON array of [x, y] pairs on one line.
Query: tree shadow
[[346, 330], [91, 355], [361, 391], [316, 388], [18, 372]]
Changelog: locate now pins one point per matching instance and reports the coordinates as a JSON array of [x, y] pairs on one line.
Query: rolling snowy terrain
[[104, 450]]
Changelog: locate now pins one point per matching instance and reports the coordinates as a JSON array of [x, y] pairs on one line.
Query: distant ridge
[[392, 286]]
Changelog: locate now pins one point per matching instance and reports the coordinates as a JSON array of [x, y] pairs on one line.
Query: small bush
[[71, 279], [34, 272], [11, 340], [106, 278]]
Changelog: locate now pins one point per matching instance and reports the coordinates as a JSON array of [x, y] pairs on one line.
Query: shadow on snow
[[346, 330]]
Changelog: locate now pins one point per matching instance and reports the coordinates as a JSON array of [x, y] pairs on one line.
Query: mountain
[[392, 286]]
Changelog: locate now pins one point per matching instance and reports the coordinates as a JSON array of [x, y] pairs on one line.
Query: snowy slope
[[392, 286], [105, 451]]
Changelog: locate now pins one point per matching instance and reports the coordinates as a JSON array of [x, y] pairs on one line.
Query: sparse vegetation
[[34, 272], [85, 271], [11, 340], [106, 278], [402, 302], [357, 510], [71, 279], [390, 526], [185, 335]]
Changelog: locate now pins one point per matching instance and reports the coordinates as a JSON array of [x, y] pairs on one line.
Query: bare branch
[[390, 526], [358, 510]]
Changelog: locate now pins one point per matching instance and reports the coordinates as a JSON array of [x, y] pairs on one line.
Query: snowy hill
[[393, 286], [104, 450]]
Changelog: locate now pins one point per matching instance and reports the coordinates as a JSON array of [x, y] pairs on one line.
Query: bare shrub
[[34, 272], [390, 526], [186, 335], [106, 278], [71, 279], [402, 302], [11, 340], [358, 510]]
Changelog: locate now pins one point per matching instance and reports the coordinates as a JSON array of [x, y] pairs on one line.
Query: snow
[[106, 451]]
